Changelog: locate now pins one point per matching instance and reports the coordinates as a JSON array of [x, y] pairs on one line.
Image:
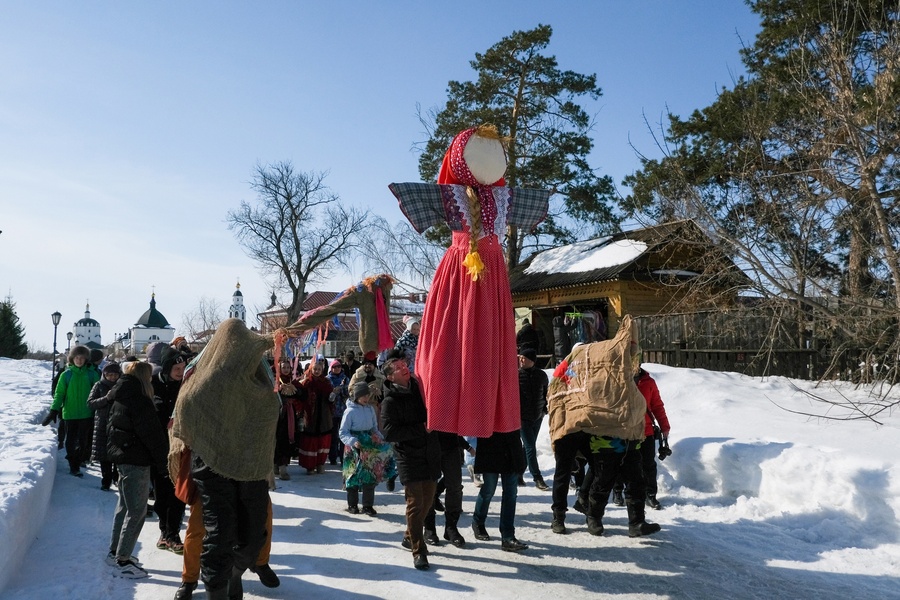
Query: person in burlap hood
[[596, 408], [226, 414]]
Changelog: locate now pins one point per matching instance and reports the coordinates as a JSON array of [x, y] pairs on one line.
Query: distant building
[[237, 310], [151, 327], [86, 331]]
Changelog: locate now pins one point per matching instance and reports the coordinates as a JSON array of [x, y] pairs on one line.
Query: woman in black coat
[[99, 402], [137, 441]]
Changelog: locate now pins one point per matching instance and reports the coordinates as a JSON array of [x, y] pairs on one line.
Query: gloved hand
[[51, 416]]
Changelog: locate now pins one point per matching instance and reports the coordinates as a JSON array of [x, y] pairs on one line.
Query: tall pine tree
[[12, 334]]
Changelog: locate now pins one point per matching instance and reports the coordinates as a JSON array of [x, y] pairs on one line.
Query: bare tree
[[795, 172], [411, 259], [203, 319], [297, 231]]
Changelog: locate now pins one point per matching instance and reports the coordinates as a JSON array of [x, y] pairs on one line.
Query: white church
[[86, 331], [152, 326]]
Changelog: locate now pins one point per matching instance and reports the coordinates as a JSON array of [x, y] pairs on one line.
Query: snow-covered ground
[[759, 502]]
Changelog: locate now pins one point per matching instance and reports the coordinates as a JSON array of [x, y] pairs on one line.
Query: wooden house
[[580, 292]]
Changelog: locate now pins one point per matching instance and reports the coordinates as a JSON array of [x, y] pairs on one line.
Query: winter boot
[[266, 575], [637, 526], [595, 517], [653, 503], [451, 533], [480, 532], [618, 496], [186, 591], [431, 538], [558, 525], [540, 484], [594, 526], [353, 501]]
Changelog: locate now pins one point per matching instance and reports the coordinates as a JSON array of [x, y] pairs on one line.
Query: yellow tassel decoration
[[473, 263]]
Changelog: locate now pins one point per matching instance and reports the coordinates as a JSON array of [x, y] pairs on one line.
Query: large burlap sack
[[593, 389], [227, 410]]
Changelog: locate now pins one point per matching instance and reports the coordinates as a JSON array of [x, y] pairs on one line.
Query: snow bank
[[27, 460]]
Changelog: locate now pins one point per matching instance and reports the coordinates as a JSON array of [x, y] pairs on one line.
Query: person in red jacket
[[656, 413]]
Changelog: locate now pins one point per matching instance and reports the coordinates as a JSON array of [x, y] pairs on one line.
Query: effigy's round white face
[[485, 158]]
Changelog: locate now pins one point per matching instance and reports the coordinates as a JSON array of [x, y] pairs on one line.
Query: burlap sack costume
[[227, 410], [593, 389]]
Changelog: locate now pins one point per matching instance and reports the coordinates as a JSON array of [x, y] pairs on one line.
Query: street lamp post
[[56, 316], [69, 345]]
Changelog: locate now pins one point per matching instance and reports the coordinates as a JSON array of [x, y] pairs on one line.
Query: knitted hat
[[112, 367], [96, 355], [529, 353], [336, 363], [361, 389], [168, 358], [370, 357], [410, 321]]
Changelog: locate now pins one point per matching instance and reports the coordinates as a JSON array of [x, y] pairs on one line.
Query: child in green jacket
[[71, 401]]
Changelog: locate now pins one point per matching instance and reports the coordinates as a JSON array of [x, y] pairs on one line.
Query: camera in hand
[[664, 449]]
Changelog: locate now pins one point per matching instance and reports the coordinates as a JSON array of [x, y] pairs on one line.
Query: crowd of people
[[371, 421]]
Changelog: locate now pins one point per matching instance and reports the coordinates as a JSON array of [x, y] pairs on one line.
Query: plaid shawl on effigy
[[227, 410], [427, 204], [593, 389]]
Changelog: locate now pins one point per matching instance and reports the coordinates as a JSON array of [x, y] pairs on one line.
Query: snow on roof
[[586, 256]]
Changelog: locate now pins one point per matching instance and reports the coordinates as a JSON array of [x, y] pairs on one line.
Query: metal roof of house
[[646, 265]]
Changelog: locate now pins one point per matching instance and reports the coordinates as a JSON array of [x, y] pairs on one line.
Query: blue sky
[[128, 130]]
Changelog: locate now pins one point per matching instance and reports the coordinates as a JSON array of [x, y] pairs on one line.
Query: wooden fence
[[751, 342]]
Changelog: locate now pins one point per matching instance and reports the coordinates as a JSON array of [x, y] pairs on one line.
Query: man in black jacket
[[533, 384], [416, 449], [169, 509]]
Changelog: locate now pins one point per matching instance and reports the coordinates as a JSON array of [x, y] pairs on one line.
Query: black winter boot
[[451, 533], [595, 517], [558, 525], [637, 525], [618, 496], [594, 526], [480, 532], [431, 537], [186, 591]]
